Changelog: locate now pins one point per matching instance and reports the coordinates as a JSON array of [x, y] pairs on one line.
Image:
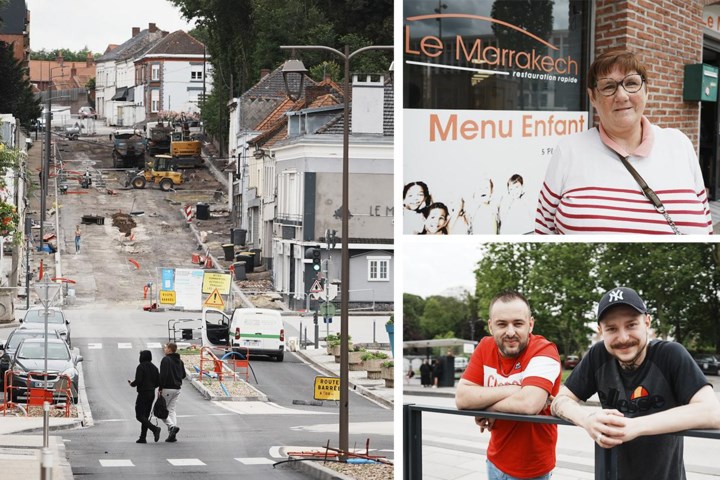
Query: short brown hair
[[506, 297], [171, 346], [624, 60]]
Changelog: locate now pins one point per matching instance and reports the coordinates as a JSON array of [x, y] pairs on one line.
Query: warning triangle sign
[[316, 288], [215, 300]]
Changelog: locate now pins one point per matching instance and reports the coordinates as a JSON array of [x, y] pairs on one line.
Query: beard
[[507, 352]]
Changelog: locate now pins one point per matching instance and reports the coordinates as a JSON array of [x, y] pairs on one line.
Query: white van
[[257, 330]]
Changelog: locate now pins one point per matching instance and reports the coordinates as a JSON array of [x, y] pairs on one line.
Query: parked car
[[87, 112], [571, 362], [28, 367], [708, 363], [35, 318], [461, 364], [12, 342]]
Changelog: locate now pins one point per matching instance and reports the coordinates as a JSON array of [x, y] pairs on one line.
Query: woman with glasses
[[590, 186]]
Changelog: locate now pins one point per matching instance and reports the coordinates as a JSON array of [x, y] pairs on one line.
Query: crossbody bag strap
[[649, 193]]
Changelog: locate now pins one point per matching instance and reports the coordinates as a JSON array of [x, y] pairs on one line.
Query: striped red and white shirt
[[587, 189]]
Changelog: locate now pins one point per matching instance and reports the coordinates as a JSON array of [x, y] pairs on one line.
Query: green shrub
[[374, 356], [389, 364]]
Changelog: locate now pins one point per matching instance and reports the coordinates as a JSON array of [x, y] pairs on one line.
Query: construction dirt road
[[128, 234]]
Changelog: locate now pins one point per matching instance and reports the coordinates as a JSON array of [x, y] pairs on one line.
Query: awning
[[130, 97], [120, 94]]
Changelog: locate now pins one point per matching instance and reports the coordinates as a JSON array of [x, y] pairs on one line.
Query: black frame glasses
[[604, 85]]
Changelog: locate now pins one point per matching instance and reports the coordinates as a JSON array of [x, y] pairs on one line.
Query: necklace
[[515, 365]]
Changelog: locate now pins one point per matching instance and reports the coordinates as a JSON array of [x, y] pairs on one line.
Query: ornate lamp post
[[295, 67]]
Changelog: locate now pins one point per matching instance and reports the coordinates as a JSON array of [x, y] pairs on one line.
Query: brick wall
[[666, 35]]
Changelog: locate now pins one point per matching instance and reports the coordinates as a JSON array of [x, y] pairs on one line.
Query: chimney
[[135, 31], [90, 60], [152, 28], [327, 78], [368, 99], [264, 72], [73, 71]]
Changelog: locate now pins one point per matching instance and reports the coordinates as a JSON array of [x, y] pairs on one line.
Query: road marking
[[116, 463], [154, 345], [124, 345], [185, 462], [276, 453], [255, 461], [94, 346]]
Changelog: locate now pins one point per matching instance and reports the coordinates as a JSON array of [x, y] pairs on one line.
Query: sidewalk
[[373, 389]]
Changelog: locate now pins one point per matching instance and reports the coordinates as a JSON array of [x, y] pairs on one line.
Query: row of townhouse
[[287, 191], [153, 71]]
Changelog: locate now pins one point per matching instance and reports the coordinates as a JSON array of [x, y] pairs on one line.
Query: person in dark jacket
[[172, 372], [425, 374], [147, 379]]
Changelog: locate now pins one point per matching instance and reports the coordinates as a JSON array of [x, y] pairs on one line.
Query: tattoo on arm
[[557, 409]]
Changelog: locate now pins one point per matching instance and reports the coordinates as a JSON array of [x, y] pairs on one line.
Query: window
[[290, 196], [378, 269], [155, 100], [156, 72], [196, 75]]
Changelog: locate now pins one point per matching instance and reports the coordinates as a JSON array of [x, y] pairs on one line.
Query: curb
[[362, 390], [317, 471], [209, 396]]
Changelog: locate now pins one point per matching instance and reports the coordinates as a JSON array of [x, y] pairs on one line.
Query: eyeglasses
[[608, 86]]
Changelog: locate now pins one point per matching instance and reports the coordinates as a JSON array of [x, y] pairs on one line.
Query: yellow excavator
[[160, 170]]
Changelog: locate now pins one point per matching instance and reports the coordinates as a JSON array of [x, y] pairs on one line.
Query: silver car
[[12, 343], [28, 368], [35, 318]]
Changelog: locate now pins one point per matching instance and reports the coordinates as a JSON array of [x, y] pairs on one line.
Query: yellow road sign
[[167, 297], [216, 281], [215, 300], [327, 388]]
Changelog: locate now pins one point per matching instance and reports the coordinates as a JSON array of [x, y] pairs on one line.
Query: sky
[[432, 265], [76, 24]]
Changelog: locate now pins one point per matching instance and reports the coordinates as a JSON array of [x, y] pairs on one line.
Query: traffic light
[[316, 259], [314, 254]]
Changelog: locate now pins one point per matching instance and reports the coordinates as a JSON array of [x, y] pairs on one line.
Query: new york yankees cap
[[620, 296]]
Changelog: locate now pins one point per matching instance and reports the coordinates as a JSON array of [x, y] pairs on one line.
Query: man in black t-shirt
[[647, 389]]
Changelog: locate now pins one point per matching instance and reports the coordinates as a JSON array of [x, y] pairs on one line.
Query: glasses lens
[[607, 86], [633, 83]]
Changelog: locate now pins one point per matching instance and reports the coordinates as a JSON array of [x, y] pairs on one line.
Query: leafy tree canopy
[[67, 55]]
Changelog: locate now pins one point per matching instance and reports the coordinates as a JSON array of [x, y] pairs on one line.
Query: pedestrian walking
[[147, 379], [437, 371], [172, 372], [78, 233]]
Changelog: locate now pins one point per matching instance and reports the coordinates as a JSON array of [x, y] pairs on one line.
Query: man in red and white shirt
[[513, 371]]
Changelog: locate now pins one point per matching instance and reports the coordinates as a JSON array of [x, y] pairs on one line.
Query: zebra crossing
[[124, 345], [184, 462]]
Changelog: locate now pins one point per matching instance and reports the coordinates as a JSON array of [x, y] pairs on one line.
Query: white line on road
[[255, 461], [124, 345], [154, 345], [116, 463], [94, 346], [185, 462]]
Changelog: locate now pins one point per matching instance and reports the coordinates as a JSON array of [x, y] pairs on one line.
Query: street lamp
[[45, 168], [297, 68], [46, 291]]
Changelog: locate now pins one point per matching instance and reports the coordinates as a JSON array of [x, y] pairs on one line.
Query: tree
[[67, 55], [442, 315], [16, 95], [413, 307]]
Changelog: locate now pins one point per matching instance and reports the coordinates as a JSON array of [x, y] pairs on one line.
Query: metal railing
[[605, 459]]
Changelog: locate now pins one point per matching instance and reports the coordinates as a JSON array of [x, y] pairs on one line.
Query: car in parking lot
[[461, 364], [709, 363], [35, 318], [571, 362], [11, 344], [87, 112], [28, 368]]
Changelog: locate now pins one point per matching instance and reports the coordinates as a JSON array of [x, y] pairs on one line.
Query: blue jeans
[[77, 244], [495, 474]]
